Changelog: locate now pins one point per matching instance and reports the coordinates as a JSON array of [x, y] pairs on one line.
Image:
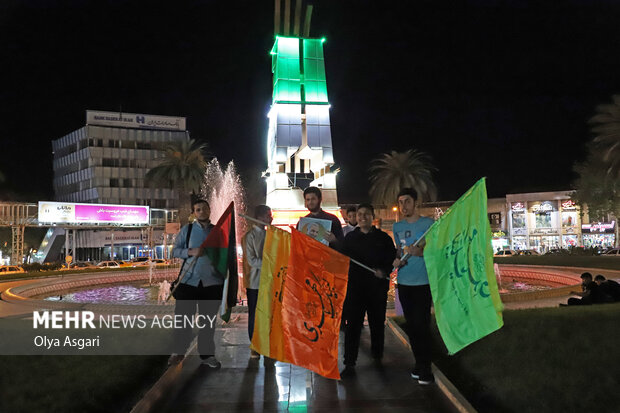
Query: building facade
[[106, 160], [543, 221], [550, 220], [540, 221]]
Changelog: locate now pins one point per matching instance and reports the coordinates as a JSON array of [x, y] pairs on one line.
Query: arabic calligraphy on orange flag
[[314, 292]]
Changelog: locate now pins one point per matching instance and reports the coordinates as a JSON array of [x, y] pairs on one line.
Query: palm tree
[[396, 170], [607, 140], [182, 167]]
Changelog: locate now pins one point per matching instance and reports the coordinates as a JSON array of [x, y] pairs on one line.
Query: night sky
[[501, 89]]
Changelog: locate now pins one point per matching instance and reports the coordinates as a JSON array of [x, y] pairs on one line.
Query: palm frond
[[393, 171], [607, 135]]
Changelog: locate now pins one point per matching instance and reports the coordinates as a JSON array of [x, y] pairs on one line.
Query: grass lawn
[[608, 263], [543, 360], [76, 383]]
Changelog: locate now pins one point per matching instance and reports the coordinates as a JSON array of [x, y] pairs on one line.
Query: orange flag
[[313, 296]]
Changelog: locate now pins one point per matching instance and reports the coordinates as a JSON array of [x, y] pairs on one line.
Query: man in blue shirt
[[413, 287], [198, 285]]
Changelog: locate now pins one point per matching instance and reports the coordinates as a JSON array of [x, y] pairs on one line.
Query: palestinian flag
[[221, 248]]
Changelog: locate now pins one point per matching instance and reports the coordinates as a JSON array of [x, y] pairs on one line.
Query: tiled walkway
[[250, 385]]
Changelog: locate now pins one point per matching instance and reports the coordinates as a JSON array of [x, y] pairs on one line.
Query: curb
[[169, 384], [445, 385], [174, 379]]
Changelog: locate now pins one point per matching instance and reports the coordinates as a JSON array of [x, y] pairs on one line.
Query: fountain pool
[[138, 293]]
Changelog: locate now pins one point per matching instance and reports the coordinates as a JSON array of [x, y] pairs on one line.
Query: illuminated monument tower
[[299, 144]]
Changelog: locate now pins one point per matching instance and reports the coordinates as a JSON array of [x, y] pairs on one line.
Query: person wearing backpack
[[200, 283]]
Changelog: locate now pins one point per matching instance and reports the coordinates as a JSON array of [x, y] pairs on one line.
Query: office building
[[106, 160]]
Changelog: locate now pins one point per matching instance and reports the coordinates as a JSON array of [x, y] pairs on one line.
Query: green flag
[[459, 261]]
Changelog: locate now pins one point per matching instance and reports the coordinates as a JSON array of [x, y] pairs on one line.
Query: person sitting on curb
[[610, 288], [590, 293]]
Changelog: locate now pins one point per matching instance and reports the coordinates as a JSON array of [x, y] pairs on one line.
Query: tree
[[596, 188], [182, 168], [607, 136], [393, 171]]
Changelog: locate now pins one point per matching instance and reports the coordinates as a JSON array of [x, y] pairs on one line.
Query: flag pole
[[256, 221], [406, 257], [182, 276]]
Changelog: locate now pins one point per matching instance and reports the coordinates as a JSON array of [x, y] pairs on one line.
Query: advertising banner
[[600, 227], [65, 212], [134, 120]]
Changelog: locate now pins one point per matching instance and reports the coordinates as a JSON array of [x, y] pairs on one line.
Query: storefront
[[544, 243], [128, 244], [570, 224], [500, 241], [544, 221], [599, 235], [518, 226]]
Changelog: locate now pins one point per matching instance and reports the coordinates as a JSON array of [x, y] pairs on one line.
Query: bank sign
[[134, 120], [66, 212]]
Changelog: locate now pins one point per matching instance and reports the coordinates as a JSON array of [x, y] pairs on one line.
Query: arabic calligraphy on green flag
[[459, 261]]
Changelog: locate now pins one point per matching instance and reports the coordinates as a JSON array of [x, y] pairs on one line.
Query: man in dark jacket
[[366, 291], [609, 288], [591, 293]]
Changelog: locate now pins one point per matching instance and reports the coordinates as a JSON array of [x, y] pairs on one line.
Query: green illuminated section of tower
[[298, 80]]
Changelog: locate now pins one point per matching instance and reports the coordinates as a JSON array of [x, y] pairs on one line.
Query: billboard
[[134, 120], [67, 212], [600, 227]]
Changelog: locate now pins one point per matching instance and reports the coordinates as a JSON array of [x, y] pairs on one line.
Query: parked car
[[614, 252], [108, 264], [77, 266], [528, 252], [505, 253], [136, 262], [158, 262], [557, 251], [10, 269]]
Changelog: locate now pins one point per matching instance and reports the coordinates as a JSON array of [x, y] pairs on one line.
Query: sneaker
[[426, 379], [254, 354], [415, 374], [175, 359], [212, 362]]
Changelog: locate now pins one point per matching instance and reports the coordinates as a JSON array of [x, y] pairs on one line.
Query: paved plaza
[[255, 385], [252, 385]]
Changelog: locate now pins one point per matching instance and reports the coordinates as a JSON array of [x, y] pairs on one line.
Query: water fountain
[[498, 277], [220, 187]]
